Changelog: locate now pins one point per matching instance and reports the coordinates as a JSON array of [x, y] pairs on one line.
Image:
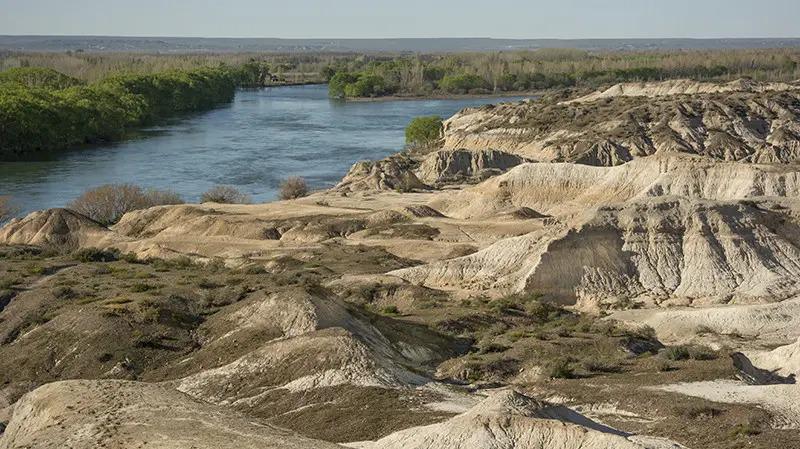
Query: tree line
[[522, 71], [44, 110]]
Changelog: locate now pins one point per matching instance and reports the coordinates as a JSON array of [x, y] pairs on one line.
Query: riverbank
[[446, 96]]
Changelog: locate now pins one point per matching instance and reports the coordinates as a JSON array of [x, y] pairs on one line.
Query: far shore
[[441, 96], [412, 97]]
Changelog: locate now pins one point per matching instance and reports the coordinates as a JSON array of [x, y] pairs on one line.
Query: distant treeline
[[547, 69], [93, 67], [44, 110]]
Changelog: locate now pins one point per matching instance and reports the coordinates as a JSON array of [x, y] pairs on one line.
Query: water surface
[[262, 137]]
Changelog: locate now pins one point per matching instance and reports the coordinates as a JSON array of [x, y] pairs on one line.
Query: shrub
[[355, 85], [108, 203], [424, 130], [339, 82], [601, 366], [702, 353], [63, 292], [493, 348], [560, 369], [142, 287], [677, 353], [225, 195], [368, 85], [390, 310], [663, 366], [293, 187], [254, 269], [698, 412], [207, 284], [690, 352], [747, 429], [155, 197], [95, 255], [462, 83]]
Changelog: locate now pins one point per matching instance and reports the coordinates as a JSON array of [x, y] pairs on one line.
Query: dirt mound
[[649, 250], [90, 414], [508, 419], [183, 220], [321, 346], [60, 228], [757, 124]]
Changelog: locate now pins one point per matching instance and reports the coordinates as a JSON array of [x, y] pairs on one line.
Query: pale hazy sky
[[405, 18]]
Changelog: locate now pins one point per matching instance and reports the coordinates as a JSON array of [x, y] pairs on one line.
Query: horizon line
[[401, 38]]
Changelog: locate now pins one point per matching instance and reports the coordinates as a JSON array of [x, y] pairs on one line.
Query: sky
[[404, 18]]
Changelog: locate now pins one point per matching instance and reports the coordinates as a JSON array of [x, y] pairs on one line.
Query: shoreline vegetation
[[42, 109], [509, 73], [56, 101]]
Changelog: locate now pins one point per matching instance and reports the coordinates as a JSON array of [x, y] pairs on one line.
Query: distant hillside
[[186, 44]]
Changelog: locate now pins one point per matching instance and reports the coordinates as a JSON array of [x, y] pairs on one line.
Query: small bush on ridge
[[225, 195], [292, 188]]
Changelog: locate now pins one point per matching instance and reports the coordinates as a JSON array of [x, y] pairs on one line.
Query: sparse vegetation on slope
[[108, 203]]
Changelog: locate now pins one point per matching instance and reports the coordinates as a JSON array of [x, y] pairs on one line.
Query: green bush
[[86, 255], [390, 310], [358, 85], [560, 369], [339, 82], [685, 352], [424, 130], [677, 353], [462, 83]]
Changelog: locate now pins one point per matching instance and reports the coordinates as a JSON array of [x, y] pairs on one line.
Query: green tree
[[424, 130], [462, 83], [339, 82]]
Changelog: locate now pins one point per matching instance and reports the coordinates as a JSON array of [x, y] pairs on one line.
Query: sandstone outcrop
[[648, 250], [392, 173], [459, 165], [734, 122]]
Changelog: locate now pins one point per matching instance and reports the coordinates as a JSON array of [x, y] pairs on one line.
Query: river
[[253, 143]]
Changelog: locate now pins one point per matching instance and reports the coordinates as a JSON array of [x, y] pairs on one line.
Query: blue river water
[[253, 143]]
